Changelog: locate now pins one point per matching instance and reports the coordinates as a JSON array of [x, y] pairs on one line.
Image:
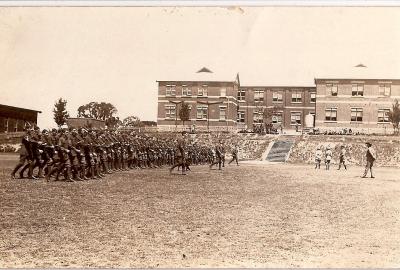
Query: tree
[[60, 112], [113, 122], [268, 115], [394, 116], [184, 113], [132, 121], [101, 111]]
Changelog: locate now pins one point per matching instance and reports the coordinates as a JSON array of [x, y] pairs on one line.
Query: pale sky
[[117, 54]]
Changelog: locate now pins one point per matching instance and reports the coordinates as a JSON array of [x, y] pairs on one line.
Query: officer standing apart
[[371, 157], [342, 157]]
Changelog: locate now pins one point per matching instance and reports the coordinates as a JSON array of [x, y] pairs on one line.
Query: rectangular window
[[170, 111], [258, 95], [186, 90], [384, 89], [313, 97], [203, 91], [201, 112], [170, 90], [223, 92], [295, 118], [258, 117], [16, 125], [240, 117], [357, 90], [241, 94], [296, 97], [331, 114], [356, 114], [332, 89], [222, 113], [383, 115], [277, 97], [277, 118]]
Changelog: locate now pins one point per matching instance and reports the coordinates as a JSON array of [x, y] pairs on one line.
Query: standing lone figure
[[371, 157], [235, 151], [342, 157]]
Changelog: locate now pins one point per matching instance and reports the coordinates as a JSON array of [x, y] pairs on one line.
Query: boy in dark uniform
[[218, 154], [235, 155]]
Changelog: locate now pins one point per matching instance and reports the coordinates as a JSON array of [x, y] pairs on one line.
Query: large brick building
[[212, 102], [14, 119], [224, 105], [358, 104]]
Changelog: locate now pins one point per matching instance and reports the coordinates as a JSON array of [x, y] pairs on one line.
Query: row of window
[[201, 112], [356, 115], [170, 90], [357, 89], [295, 117], [277, 97]]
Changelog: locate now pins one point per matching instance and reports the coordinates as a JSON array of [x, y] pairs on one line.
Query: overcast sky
[[117, 54]]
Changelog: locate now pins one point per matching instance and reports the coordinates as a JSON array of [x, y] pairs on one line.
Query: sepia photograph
[[209, 135]]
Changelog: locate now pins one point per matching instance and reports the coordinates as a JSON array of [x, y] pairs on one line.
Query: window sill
[[356, 122], [327, 121], [297, 102]]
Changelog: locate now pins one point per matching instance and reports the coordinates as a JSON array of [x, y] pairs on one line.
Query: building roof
[[204, 75], [18, 108], [360, 71]]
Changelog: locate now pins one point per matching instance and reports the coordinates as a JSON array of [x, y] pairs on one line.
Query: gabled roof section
[[204, 69]]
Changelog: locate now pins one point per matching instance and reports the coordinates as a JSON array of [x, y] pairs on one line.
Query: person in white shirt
[[318, 158], [328, 157]]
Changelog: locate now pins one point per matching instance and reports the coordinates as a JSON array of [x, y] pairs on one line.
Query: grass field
[[277, 215]]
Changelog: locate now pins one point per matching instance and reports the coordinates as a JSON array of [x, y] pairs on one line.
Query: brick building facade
[[288, 106], [212, 103], [224, 105], [14, 119], [358, 104]]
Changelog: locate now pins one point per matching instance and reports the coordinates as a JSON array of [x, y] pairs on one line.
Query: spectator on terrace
[[371, 157]]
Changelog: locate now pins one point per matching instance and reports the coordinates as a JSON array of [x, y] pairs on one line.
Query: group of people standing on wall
[[328, 154]]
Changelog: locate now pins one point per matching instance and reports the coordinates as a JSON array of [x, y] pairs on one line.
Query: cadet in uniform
[[235, 151]]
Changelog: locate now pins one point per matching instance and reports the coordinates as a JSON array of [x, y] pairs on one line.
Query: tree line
[[104, 111]]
